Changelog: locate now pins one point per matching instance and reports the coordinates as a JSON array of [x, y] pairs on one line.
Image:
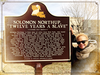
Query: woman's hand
[[71, 30]]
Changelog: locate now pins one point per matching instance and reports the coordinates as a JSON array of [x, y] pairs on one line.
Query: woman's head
[[82, 40]]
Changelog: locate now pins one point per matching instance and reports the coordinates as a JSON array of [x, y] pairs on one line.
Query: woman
[[84, 56], [84, 47]]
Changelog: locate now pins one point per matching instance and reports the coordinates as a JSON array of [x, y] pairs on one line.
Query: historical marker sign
[[37, 36]]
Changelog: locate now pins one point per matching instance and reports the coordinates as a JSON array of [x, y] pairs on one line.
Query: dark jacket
[[73, 50]]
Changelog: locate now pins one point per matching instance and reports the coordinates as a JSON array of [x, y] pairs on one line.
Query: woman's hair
[[81, 34]]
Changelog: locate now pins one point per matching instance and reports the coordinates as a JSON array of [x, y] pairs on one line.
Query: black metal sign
[[37, 36]]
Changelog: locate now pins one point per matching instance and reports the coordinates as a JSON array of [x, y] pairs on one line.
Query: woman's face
[[82, 42]]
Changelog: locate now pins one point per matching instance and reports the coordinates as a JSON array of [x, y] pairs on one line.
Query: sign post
[[37, 37], [38, 67]]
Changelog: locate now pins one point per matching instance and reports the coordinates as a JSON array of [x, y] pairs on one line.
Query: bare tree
[[82, 12]]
